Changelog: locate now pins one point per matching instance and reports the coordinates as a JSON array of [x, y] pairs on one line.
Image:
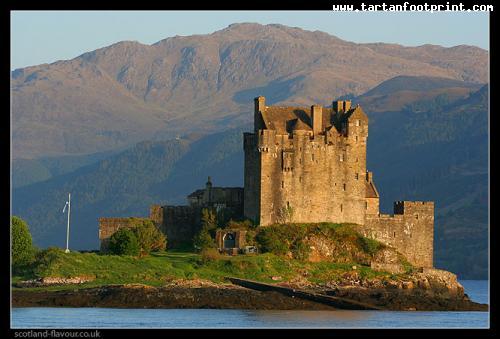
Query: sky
[[47, 36]]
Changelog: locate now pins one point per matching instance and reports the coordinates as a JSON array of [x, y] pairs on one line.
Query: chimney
[[347, 105], [260, 106], [338, 106], [317, 119]]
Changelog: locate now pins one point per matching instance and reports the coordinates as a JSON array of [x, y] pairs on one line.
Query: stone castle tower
[[309, 165]]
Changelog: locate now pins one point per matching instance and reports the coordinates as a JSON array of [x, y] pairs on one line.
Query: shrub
[[22, 243], [280, 239], [149, 237], [208, 219], [370, 246], [45, 258], [300, 250], [124, 242], [240, 225], [209, 255], [203, 240]]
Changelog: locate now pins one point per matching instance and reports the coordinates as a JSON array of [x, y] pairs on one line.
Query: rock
[[408, 285], [276, 278], [50, 281]]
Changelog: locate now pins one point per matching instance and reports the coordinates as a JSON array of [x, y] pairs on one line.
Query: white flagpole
[[67, 230]]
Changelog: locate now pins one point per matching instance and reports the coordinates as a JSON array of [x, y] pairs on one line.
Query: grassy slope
[[162, 267], [349, 249]]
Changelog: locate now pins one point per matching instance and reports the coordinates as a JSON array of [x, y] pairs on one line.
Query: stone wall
[[108, 226], [180, 224], [251, 201], [410, 230]]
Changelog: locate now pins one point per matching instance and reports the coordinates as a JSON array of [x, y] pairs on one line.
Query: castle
[[305, 165]]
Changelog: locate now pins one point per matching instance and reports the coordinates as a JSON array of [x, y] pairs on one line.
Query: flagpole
[[67, 230]]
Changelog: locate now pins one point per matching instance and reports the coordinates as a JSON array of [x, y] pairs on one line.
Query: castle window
[[282, 184], [300, 179], [341, 157], [356, 176], [312, 157], [366, 205], [394, 234], [344, 186], [416, 216], [358, 123], [356, 138], [341, 207]]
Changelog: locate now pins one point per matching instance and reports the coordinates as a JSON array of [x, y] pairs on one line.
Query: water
[[203, 318]]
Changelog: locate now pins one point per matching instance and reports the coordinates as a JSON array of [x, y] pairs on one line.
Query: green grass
[[162, 267]]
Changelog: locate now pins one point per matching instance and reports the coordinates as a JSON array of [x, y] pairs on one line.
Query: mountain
[[126, 184], [397, 93], [128, 92], [428, 149], [30, 171]]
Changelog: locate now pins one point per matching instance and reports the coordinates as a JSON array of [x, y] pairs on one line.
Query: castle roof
[[287, 119], [371, 190], [197, 193], [298, 124]]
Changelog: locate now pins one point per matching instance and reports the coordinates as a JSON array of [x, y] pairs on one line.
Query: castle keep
[[302, 165], [309, 165]]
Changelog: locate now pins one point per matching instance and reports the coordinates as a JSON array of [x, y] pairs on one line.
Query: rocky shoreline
[[213, 296], [425, 291]]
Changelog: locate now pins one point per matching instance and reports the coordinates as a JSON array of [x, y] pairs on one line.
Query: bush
[[240, 225], [300, 250], [370, 246], [45, 258], [281, 239], [124, 242], [22, 243], [209, 255], [149, 237], [208, 219], [203, 240]]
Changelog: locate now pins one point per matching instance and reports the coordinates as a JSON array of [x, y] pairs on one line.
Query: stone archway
[[229, 240]]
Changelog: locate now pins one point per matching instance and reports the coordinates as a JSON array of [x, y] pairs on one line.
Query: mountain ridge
[[127, 92]]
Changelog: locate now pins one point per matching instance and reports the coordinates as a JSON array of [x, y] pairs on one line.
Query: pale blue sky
[[47, 36]]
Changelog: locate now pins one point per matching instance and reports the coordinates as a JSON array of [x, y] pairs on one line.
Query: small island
[[305, 232]]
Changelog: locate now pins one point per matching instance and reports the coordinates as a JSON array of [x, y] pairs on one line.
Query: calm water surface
[[202, 318]]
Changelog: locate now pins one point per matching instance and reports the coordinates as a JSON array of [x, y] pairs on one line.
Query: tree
[[124, 242], [209, 219], [22, 243], [149, 237], [204, 239]]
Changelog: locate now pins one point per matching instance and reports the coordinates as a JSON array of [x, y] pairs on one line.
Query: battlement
[[410, 207]]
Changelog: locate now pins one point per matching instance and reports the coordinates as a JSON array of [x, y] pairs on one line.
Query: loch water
[[49, 317]]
